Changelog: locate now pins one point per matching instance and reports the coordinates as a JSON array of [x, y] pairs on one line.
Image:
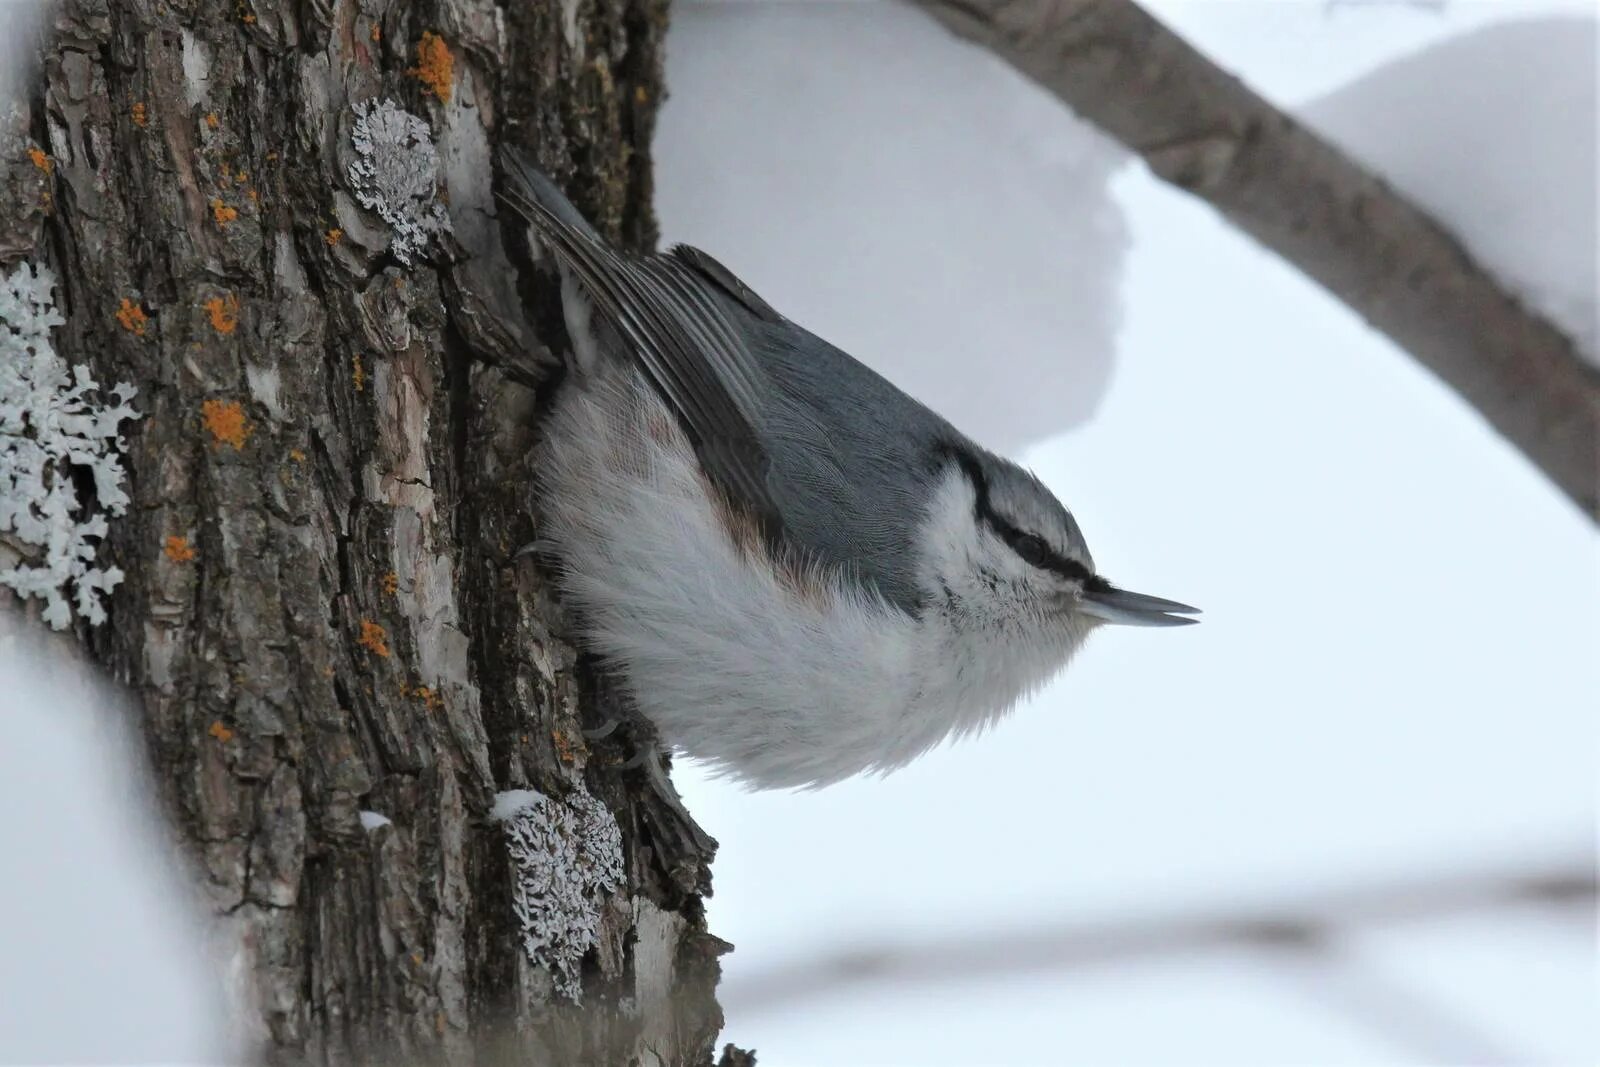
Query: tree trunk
[[324, 611]]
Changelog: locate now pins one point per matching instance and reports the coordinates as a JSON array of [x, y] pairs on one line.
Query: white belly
[[778, 679]]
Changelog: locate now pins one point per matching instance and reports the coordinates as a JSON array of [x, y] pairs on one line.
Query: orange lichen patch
[[41, 160], [140, 117], [212, 121], [297, 455], [374, 638], [226, 422], [641, 94], [131, 317], [222, 212], [377, 32], [391, 583], [430, 699], [179, 550], [220, 732], [251, 193], [358, 374], [333, 236], [435, 67], [566, 747], [223, 313]]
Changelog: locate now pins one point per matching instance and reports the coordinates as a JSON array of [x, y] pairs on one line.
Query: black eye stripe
[[1033, 549]]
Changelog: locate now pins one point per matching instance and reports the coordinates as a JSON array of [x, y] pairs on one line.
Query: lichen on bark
[[325, 615]]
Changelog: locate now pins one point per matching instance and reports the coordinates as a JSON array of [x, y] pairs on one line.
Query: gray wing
[[676, 326]]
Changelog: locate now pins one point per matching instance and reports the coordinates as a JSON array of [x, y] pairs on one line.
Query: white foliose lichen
[[51, 421], [566, 855], [396, 174]]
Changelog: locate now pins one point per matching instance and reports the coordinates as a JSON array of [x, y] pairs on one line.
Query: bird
[[798, 572]]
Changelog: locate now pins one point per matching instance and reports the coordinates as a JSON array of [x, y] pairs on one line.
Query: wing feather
[[691, 351]]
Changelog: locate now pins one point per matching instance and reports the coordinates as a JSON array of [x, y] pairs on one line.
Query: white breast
[[777, 677]]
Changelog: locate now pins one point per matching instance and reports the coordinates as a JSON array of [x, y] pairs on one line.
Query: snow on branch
[[50, 423], [565, 855], [1202, 130]]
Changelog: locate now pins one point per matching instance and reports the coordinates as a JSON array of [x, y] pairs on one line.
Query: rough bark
[[1200, 129], [325, 611]]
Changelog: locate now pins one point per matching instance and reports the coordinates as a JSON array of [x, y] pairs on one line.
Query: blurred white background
[[1387, 719]]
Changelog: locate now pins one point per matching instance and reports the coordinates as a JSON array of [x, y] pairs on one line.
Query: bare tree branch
[[1202, 130], [1309, 935]]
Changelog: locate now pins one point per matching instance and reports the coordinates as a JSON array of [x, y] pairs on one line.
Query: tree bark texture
[[1202, 130], [325, 611]]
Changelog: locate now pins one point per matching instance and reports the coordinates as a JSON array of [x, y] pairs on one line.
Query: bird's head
[[1003, 552]]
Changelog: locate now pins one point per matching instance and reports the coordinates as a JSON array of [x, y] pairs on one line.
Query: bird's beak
[[1134, 609]]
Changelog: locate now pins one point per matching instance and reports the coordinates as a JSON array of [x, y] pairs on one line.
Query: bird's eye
[[1032, 549]]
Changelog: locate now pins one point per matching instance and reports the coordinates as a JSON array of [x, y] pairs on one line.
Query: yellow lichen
[[131, 317], [391, 583], [222, 212], [374, 638], [226, 422], [212, 121], [179, 550], [220, 732], [333, 236], [223, 313], [297, 455], [566, 746], [435, 67], [139, 115], [358, 374]]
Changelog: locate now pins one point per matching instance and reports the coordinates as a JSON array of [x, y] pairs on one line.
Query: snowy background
[[1384, 725], [1393, 692]]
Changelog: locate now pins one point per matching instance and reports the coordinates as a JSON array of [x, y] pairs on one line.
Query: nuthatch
[[798, 571]]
